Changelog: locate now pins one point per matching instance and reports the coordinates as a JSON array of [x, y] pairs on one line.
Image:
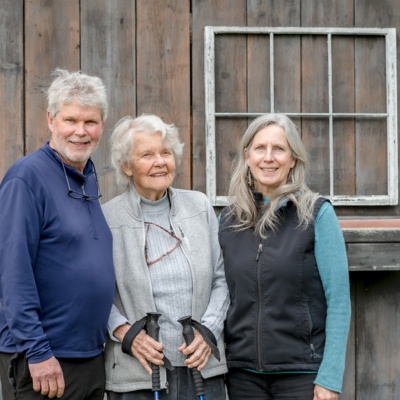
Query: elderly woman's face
[[152, 165], [270, 159]]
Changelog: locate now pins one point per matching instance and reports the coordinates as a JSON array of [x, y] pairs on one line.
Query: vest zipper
[[259, 251], [314, 354]]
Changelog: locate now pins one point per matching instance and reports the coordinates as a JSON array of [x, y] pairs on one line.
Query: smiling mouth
[[79, 144], [158, 175], [269, 169]]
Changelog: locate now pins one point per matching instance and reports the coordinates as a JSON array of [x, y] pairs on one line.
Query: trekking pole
[[153, 330], [188, 334]]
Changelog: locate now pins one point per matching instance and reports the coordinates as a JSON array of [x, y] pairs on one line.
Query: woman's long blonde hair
[[262, 218]]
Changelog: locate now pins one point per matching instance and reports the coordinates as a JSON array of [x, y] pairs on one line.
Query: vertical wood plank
[[370, 14], [349, 379], [378, 324], [207, 12], [287, 94], [163, 69], [314, 98], [108, 40], [371, 135], [51, 40], [230, 96], [325, 13], [343, 93], [11, 83]]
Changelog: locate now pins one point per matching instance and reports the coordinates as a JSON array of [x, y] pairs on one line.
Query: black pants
[[181, 387], [84, 378], [243, 384]]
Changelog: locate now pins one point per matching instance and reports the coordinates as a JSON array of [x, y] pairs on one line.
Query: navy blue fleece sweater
[[56, 269]]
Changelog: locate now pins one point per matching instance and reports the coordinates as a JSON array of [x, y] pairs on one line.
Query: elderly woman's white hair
[[122, 143], [88, 91]]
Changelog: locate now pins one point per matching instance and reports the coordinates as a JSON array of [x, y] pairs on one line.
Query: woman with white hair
[[286, 268], [167, 260]]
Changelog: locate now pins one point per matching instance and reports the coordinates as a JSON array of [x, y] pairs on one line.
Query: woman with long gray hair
[[286, 268]]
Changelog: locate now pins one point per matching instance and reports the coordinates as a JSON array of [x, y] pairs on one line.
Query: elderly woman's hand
[[144, 348], [321, 393], [199, 352]]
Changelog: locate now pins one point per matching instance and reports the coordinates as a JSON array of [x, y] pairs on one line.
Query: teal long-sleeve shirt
[[330, 254]]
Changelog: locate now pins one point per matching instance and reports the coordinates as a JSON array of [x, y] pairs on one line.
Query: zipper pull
[[259, 251], [182, 234], [314, 354]]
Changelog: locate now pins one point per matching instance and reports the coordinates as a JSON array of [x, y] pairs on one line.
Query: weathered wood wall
[[150, 54]]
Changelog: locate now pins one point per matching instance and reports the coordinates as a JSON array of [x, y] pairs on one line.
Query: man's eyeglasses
[[178, 243], [73, 193]]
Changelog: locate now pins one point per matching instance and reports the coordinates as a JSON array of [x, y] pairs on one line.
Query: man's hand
[[48, 378]]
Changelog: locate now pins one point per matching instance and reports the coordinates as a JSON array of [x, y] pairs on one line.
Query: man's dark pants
[[84, 378]]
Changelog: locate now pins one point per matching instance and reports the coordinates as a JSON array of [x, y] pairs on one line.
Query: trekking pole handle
[[188, 334], [153, 330]]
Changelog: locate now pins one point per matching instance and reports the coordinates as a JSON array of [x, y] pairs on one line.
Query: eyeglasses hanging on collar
[[73, 193], [178, 242]]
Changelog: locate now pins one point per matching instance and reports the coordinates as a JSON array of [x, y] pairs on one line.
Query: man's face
[[76, 131]]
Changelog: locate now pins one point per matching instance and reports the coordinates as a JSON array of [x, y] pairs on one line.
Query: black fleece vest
[[276, 321]]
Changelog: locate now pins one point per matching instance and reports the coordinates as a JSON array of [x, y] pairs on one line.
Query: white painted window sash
[[391, 198]]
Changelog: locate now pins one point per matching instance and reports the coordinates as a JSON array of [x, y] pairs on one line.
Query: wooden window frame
[[391, 198]]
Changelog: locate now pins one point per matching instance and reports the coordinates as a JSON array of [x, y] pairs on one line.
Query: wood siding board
[[343, 101], [206, 12], [314, 92], [378, 323], [163, 70], [230, 96], [230, 73], [314, 88], [371, 135], [273, 13], [373, 256], [349, 379], [11, 83], [286, 68], [258, 73], [331, 14], [229, 132], [108, 40], [325, 13], [371, 235], [377, 292], [368, 14], [51, 41], [370, 74], [287, 73]]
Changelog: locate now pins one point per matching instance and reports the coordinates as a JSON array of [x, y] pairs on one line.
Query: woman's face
[[270, 159], [152, 165]]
